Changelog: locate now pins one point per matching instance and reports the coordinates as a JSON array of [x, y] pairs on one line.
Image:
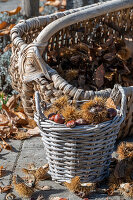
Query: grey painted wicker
[[83, 151], [33, 40]]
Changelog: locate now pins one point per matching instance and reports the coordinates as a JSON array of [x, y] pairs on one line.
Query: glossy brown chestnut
[[52, 118], [51, 114], [59, 119], [111, 113], [71, 124]]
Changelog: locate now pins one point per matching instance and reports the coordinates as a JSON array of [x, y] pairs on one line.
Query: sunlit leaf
[[3, 25], [3, 120], [56, 3], [109, 75], [5, 189], [13, 12], [8, 47], [41, 9], [7, 30]]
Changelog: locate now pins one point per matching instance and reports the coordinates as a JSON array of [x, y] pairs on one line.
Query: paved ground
[[32, 151], [9, 5]]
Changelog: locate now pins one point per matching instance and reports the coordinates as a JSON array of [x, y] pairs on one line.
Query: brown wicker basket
[[33, 39]]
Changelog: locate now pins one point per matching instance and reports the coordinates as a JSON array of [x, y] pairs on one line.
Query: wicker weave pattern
[[29, 68], [83, 151]]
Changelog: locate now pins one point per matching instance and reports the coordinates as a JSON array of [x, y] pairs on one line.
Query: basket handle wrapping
[[117, 92], [38, 106]]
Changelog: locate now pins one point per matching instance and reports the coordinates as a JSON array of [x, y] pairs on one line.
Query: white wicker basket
[[83, 151]]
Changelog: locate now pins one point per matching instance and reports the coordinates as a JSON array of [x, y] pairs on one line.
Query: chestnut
[[81, 121], [111, 113], [71, 124], [51, 114], [59, 119], [52, 118]]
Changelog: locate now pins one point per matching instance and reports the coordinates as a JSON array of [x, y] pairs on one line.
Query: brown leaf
[[99, 76], [13, 12], [56, 3], [63, 3], [5, 145], [41, 9], [123, 54], [7, 30], [8, 47], [109, 75], [109, 56], [3, 120], [22, 118], [3, 25], [12, 101], [25, 135], [31, 123], [5, 189]]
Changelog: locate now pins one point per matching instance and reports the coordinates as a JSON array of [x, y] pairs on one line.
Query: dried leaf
[[12, 101], [13, 12], [99, 76], [56, 3], [3, 25], [5, 189], [31, 123], [63, 3], [28, 134], [7, 30], [5, 145], [3, 120], [123, 54], [41, 9], [8, 47], [109, 75], [109, 56]]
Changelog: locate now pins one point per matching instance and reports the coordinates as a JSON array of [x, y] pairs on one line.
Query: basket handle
[[118, 92], [38, 106]]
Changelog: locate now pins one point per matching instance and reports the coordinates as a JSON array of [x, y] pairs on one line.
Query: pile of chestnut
[[58, 118]]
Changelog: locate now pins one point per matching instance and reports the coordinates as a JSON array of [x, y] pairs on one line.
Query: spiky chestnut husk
[[70, 113], [125, 150], [94, 111], [126, 189], [60, 103], [49, 111], [71, 74]]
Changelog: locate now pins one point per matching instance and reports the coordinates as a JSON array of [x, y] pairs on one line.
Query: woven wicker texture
[[83, 151], [33, 40]]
